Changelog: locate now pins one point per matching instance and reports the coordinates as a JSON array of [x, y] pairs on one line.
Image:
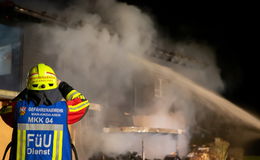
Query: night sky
[[231, 29]]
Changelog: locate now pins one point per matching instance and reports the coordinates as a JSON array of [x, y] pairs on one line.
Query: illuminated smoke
[[94, 57]]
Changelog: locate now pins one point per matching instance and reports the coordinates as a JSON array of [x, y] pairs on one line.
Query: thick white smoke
[[93, 56]]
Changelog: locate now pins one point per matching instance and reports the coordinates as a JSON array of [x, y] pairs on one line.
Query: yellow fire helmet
[[41, 77]]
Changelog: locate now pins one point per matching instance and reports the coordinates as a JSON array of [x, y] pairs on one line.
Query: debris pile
[[126, 156], [218, 150], [199, 153]]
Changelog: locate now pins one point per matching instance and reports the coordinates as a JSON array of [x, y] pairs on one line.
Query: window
[[158, 91], [5, 60], [10, 57]]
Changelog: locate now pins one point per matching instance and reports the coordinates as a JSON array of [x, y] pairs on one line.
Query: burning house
[[144, 107], [127, 122]]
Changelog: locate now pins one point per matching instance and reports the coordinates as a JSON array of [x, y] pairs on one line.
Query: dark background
[[231, 29]]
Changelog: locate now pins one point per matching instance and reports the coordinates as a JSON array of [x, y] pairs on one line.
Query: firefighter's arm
[[77, 103], [7, 113]]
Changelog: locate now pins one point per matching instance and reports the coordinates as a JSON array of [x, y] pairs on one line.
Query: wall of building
[[5, 134]]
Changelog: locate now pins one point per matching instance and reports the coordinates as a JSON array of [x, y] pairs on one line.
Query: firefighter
[[40, 118]]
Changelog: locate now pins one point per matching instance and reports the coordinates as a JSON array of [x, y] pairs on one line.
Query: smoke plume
[[94, 55]]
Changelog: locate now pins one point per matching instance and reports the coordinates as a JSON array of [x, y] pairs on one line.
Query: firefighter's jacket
[[41, 132]]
